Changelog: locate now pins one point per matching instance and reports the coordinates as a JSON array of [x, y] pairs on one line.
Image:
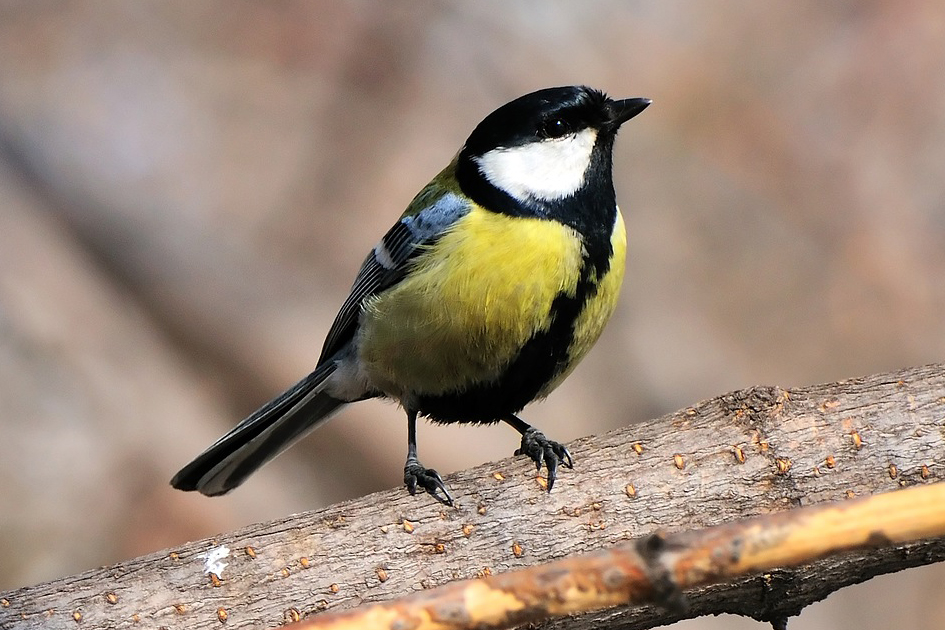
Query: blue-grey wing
[[389, 262]]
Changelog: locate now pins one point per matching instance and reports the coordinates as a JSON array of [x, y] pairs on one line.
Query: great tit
[[483, 297]]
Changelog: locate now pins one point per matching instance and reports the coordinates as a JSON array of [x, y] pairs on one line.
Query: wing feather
[[389, 261]]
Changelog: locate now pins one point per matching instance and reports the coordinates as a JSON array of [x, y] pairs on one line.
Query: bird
[[483, 297]]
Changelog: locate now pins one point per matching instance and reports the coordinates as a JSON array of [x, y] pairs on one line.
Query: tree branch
[[656, 568], [751, 452]]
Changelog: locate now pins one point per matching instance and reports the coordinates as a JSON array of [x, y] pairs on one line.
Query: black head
[[550, 113], [544, 148]]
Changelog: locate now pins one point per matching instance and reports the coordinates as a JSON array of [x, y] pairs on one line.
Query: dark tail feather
[[260, 437]]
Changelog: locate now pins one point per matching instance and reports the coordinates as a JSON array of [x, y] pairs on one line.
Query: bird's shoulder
[[441, 199], [438, 206]]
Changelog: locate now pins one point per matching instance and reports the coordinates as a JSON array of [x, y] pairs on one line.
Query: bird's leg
[[415, 475], [539, 448]]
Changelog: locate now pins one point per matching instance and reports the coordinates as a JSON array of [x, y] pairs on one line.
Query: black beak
[[621, 111]]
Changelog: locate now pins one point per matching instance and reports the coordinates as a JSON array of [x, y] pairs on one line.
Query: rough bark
[[656, 569], [754, 451]]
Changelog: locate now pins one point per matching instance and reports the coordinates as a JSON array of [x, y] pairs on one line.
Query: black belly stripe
[[541, 359]]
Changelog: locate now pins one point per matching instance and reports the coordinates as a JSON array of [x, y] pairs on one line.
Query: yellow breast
[[470, 303]]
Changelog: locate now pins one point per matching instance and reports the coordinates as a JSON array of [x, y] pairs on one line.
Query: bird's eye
[[554, 128]]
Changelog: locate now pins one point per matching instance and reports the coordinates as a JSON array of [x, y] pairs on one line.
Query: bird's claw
[[544, 451], [416, 476]]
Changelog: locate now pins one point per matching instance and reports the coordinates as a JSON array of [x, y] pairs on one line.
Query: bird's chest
[[470, 303]]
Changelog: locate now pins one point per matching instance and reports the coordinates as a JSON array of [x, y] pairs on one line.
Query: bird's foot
[[544, 451], [416, 476]]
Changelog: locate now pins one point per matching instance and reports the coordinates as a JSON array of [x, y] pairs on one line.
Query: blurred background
[[187, 190]]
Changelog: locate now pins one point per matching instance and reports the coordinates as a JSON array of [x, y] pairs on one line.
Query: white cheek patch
[[545, 170]]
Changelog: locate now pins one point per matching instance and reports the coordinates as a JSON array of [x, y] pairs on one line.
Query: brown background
[[187, 189]]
